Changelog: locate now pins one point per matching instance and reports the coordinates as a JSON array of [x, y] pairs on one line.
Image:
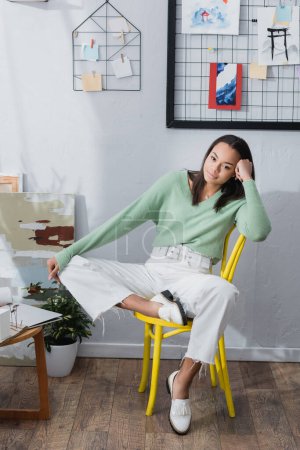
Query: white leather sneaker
[[180, 415], [171, 310]]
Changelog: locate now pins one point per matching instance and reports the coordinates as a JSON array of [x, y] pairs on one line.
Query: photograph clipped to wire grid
[[122, 67]]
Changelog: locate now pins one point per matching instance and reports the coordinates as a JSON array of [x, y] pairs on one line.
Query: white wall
[[109, 147]]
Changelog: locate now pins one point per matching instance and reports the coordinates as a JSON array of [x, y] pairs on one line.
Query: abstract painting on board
[[210, 16], [225, 86], [33, 227]]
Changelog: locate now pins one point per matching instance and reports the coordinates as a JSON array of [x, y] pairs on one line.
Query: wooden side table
[[43, 412]]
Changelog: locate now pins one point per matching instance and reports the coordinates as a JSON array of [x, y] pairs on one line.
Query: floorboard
[[99, 407]]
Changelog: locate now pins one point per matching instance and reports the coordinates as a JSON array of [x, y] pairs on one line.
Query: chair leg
[[219, 372], [227, 389], [146, 358], [44, 412], [213, 375], [155, 369]]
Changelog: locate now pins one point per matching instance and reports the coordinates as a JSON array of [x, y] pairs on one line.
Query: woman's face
[[220, 165]]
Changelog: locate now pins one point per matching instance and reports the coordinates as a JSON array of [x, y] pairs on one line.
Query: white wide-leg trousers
[[99, 284]]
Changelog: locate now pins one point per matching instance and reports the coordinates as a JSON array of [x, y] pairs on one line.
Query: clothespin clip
[[94, 73], [211, 49], [75, 34], [282, 3], [122, 57], [92, 43], [122, 37]]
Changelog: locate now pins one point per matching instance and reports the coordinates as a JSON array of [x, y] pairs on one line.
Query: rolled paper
[[5, 296]]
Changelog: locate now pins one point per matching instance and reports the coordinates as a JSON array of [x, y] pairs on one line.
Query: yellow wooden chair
[[154, 330]]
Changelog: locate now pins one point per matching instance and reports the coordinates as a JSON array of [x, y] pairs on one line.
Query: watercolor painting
[[225, 86], [33, 227], [210, 16], [278, 36]]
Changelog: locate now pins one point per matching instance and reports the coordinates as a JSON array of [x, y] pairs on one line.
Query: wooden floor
[[98, 407]]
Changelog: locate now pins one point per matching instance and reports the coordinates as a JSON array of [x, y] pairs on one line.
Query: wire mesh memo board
[[112, 45], [273, 103]]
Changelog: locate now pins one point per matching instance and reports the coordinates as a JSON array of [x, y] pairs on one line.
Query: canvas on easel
[[33, 227]]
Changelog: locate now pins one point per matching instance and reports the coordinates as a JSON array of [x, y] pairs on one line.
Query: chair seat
[[163, 323]]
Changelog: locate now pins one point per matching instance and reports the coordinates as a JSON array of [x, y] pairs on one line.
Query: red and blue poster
[[225, 86]]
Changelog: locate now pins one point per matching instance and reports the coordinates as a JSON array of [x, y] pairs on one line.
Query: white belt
[[183, 253]]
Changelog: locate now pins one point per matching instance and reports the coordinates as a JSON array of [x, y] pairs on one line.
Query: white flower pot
[[60, 360]]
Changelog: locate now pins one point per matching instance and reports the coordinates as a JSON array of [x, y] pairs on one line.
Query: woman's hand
[[243, 170], [53, 269]]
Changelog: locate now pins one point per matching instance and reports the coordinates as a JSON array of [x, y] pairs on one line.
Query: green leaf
[[75, 323]]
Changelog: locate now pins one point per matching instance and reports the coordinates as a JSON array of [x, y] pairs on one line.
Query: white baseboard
[[117, 350], [271, 354], [12, 361], [113, 350]]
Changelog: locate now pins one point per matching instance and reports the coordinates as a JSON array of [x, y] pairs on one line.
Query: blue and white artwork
[[226, 84], [210, 16]]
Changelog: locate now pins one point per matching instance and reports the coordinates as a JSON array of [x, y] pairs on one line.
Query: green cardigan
[[168, 203]]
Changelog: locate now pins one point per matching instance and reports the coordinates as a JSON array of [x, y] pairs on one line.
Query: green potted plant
[[62, 336]]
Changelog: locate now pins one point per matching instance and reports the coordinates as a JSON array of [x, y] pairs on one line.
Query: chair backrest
[[228, 266]]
